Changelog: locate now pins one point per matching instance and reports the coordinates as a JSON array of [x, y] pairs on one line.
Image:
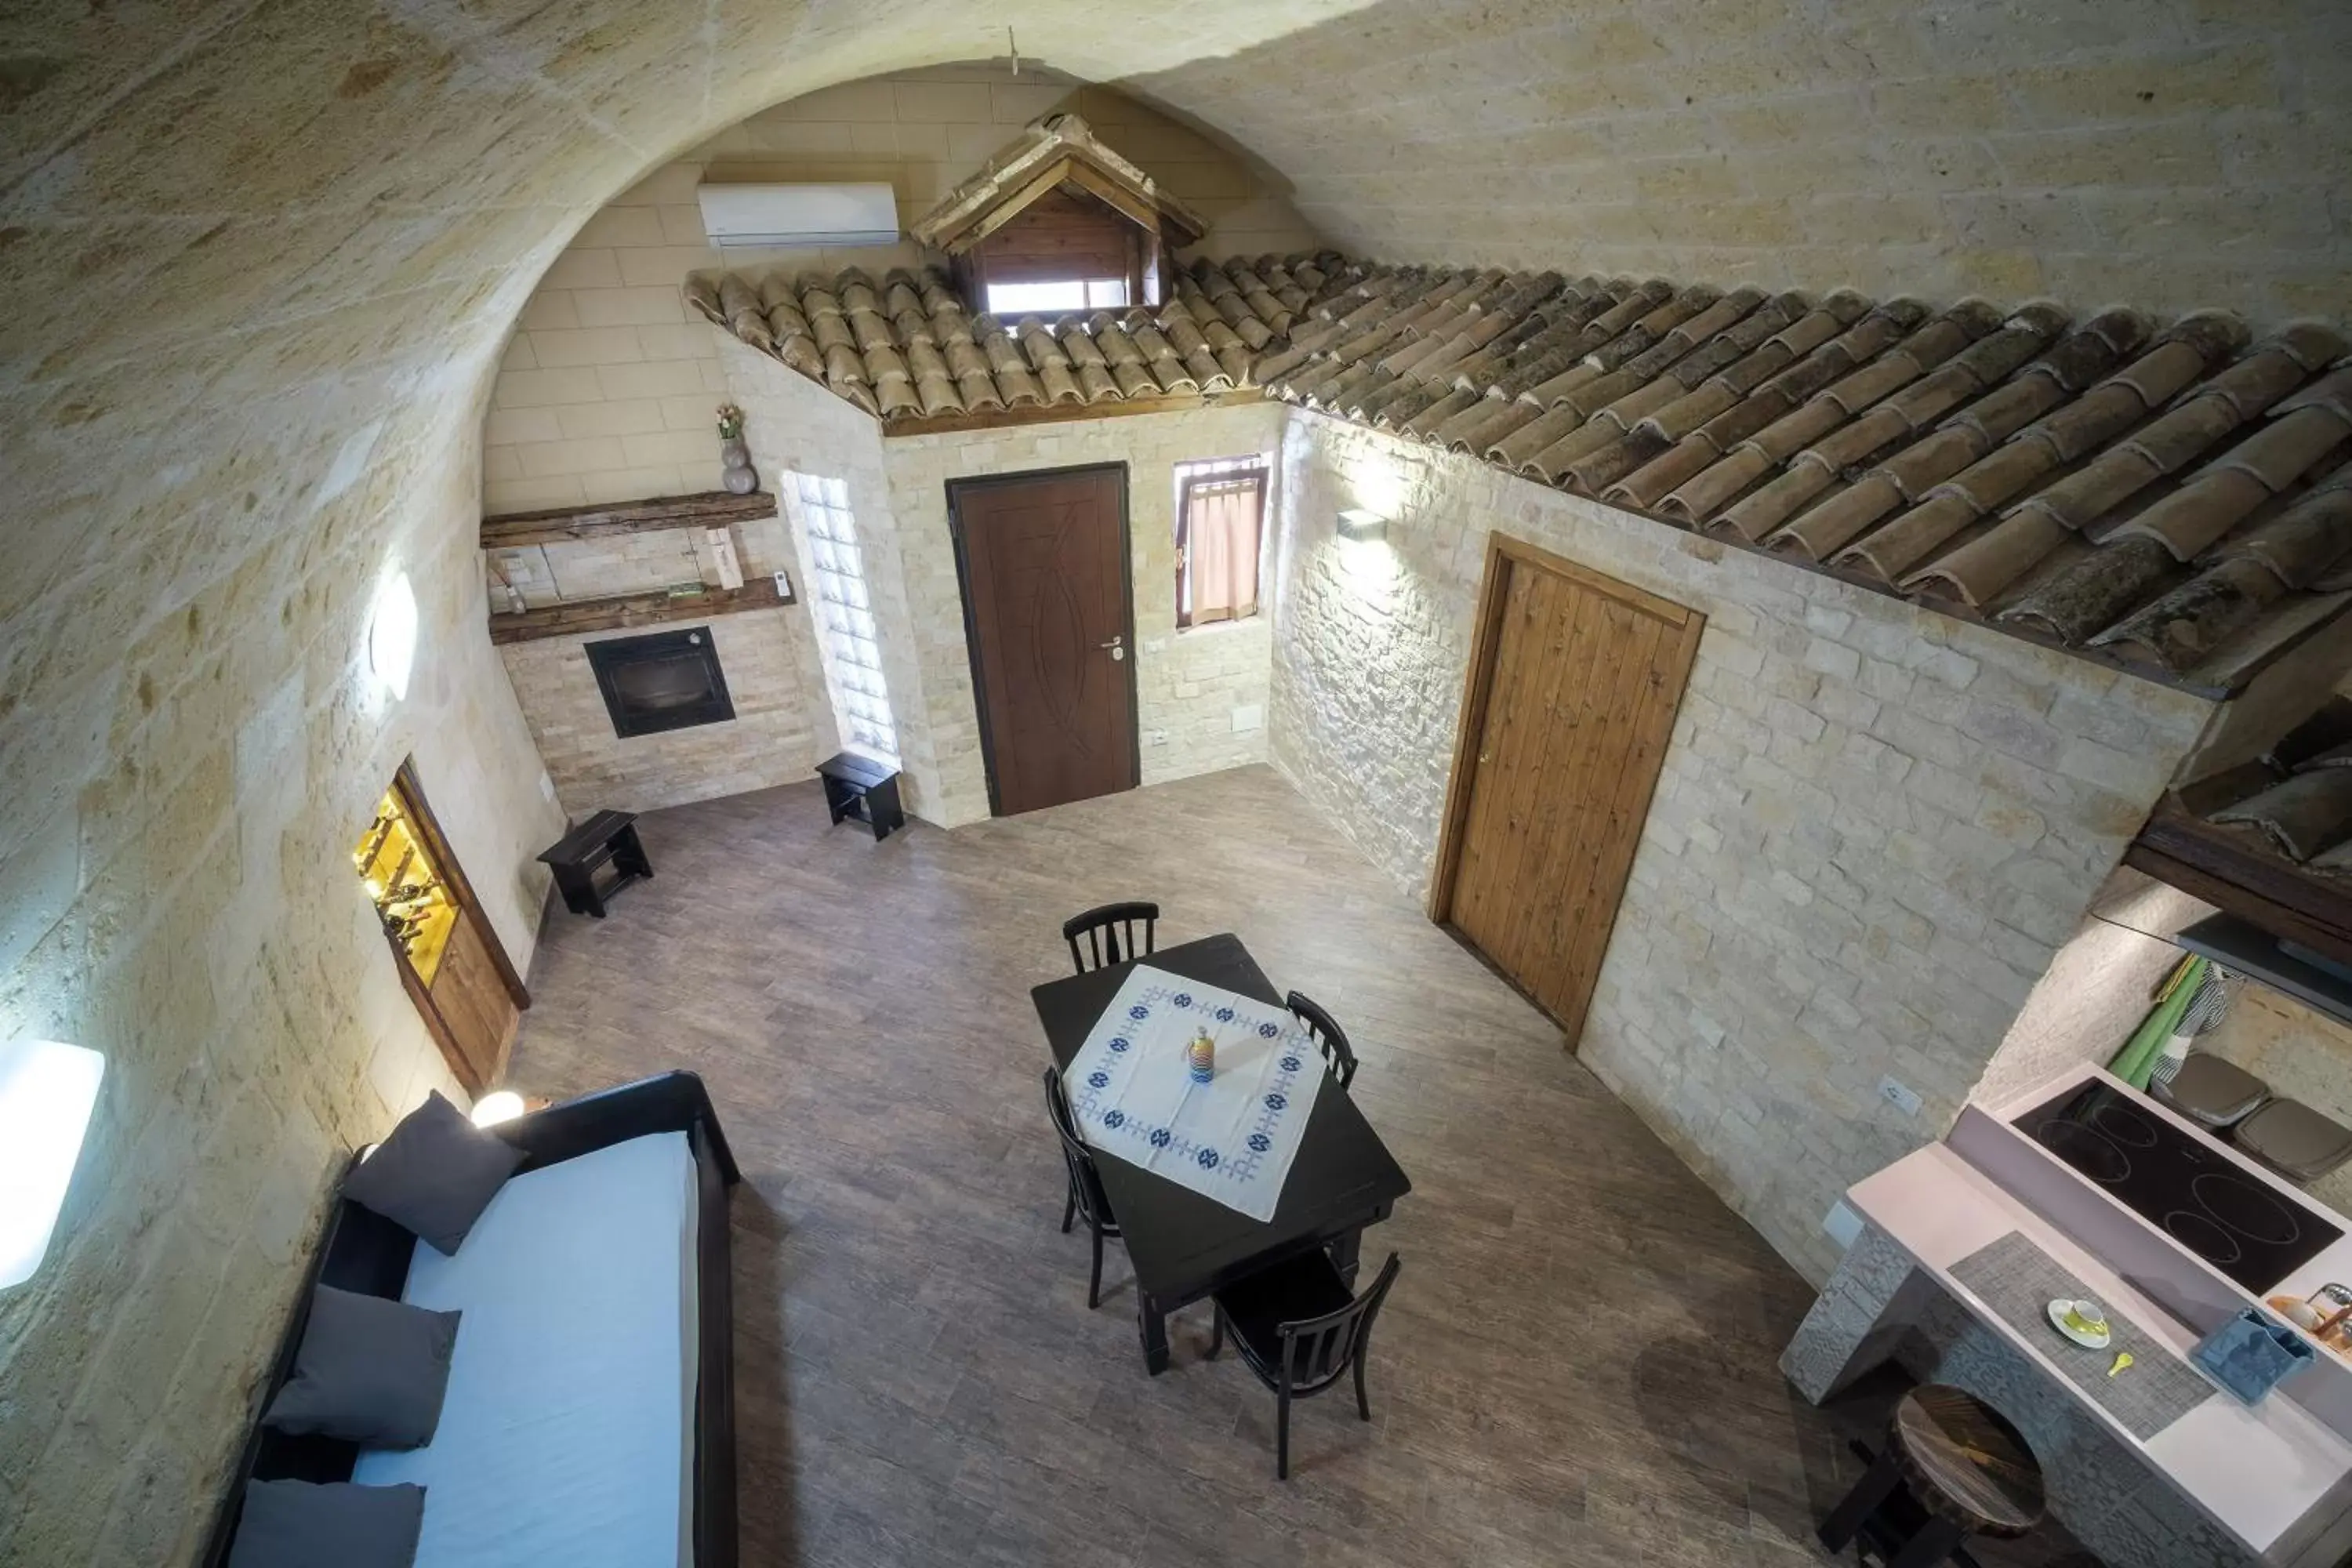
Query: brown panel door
[[475, 1007], [1574, 682], [1046, 598]]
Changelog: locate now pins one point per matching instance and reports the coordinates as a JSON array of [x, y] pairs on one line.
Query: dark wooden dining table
[[1183, 1244]]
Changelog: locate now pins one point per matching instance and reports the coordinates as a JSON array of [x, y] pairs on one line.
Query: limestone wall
[[204, 742], [2173, 153], [782, 728], [1875, 826], [606, 390]]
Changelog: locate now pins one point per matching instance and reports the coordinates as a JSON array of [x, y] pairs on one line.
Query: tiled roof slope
[[907, 348], [2177, 498], [2295, 800]]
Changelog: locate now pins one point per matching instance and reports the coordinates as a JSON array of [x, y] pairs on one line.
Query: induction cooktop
[[2249, 1230]]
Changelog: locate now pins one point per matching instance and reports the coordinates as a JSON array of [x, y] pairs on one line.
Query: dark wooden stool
[[607, 839], [1953, 1468], [860, 787]]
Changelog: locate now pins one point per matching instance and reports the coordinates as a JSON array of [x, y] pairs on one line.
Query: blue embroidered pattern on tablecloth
[[1275, 1103]]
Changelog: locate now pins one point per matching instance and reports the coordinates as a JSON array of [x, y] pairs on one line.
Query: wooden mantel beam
[[557, 525]]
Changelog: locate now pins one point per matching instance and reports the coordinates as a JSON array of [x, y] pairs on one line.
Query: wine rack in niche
[[405, 886]]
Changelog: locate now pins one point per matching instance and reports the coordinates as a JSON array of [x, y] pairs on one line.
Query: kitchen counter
[[2224, 1484]]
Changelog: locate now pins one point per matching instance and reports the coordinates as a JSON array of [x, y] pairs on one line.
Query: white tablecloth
[[1233, 1138]]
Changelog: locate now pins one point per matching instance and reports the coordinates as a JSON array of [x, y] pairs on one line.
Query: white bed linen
[[567, 1434]]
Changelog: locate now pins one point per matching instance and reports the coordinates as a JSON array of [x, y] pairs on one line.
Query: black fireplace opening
[[663, 680]]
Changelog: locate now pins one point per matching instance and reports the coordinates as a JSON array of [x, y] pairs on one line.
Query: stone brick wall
[[1199, 694], [606, 390], [781, 730], [1875, 828]]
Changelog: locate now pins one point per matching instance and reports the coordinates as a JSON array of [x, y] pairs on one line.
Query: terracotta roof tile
[[2167, 497]]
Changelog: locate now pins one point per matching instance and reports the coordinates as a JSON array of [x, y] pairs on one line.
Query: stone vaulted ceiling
[[257, 259]]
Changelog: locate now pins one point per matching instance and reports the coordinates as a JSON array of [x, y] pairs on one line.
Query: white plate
[[2057, 1311]]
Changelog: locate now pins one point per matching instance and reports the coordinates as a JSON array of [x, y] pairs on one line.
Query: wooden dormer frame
[[1056, 153]]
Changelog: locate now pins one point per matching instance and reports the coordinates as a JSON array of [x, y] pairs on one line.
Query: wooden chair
[[1110, 934], [1300, 1334], [1329, 1038], [1086, 1198], [1953, 1468]]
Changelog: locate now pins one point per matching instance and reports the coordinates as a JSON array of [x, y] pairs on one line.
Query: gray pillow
[[369, 1370], [297, 1524], [435, 1173]]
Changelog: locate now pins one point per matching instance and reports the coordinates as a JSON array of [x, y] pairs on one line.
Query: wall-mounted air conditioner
[[837, 216]]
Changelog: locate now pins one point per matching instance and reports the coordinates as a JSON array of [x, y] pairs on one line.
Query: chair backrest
[[1316, 1351], [1080, 1159], [1329, 1038], [1110, 934]]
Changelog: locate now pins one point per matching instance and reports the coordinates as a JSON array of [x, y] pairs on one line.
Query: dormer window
[[1010, 300], [1058, 221]]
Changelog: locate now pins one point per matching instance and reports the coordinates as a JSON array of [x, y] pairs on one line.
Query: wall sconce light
[[48, 1091], [1363, 526], [391, 634], [498, 1105]]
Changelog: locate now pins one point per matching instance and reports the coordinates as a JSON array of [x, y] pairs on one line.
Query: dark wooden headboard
[[363, 1252]]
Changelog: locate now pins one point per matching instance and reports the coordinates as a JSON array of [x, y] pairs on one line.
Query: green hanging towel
[[2138, 1059]]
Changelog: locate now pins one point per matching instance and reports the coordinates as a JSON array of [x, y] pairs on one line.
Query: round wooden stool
[[1961, 1469]]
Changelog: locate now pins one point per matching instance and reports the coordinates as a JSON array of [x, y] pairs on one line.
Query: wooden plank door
[[1046, 609], [476, 1010], [1574, 681], [465, 986]]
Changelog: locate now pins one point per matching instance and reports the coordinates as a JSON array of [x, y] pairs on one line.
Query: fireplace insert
[[663, 680]]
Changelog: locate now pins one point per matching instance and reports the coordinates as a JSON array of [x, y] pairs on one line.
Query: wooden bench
[[607, 839], [863, 788]]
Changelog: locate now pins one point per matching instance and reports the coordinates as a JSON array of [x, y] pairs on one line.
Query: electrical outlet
[[1899, 1097]]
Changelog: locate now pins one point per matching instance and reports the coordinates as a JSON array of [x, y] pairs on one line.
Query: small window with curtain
[[1220, 524]]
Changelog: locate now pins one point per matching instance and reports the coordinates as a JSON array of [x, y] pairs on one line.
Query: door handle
[[1118, 645]]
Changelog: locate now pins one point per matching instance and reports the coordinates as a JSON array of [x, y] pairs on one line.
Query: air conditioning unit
[[837, 216]]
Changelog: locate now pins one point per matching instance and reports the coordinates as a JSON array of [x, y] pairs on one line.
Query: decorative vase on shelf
[[735, 470]]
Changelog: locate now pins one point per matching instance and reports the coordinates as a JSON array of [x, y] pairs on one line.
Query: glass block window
[[844, 616]]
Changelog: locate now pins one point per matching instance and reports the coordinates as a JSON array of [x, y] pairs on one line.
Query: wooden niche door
[[1043, 559], [449, 958], [1574, 681]]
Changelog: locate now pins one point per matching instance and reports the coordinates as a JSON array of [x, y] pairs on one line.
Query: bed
[[590, 1413]]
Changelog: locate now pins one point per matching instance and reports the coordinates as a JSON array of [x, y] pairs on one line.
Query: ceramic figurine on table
[[1201, 1055]]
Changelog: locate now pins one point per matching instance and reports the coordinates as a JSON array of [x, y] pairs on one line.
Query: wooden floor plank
[[1576, 1365]]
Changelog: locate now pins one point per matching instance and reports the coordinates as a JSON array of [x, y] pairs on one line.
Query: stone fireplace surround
[[782, 724]]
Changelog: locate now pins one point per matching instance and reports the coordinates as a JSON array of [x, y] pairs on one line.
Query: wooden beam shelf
[[562, 524], [583, 616], [2232, 869]]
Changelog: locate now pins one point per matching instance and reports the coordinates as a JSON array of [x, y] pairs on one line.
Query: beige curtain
[[1221, 539]]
